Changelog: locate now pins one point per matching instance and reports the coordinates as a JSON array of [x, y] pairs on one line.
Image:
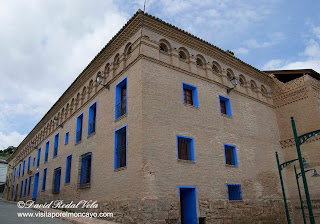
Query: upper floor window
[[29, 161], [182, 55], [163, 47], [46, 153], [231, 154], [66, 138], [44, 179], [34, 160], [56, 180], [38, 159], [19, 170], [185, 148], [23, 166], [85, 171], [199, 62], [92, 118], [56, 145], [225, 105], [120, 157], [190, 94], [79, 128], [121, 98], [234, 192], [68, 169]]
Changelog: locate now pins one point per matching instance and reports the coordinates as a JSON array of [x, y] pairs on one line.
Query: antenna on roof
[[144, 10]]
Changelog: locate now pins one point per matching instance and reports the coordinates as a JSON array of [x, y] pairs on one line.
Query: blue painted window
[[225, 105], [234, 192], [21, 187], [38, 159], [14, 174], [79, 128], [19, 170], [120, 147], [34, 160], [185, 148], [56, 180], [12, 192], [23, 166], [56, 144], [190, 94], [29, 185], [68, 169], [67, 138], [92, 118], [121, 98], [44, 179], [46, 154], [230, 153], [29, 161], [25, 187], [85, 172]]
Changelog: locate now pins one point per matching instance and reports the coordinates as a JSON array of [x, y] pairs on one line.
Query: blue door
[[188, 205], [35, 186]]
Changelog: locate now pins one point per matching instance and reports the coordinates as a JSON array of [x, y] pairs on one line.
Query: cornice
[[287, 143]]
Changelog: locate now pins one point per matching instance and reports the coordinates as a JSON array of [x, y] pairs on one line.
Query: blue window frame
[[38, 159], [14, 174], [12, 192], [21, 187], [225, 105], [44, 179], [120, 147], [34, 160], [23, 166], [29, 185], [46, 154], [29, 161], [190, 94], [92, 118], [66, 138], [121, 98], [56, 145], [25, 187], [85, 172], [56, 180], [230, 154], [79, 127], [68, 169], [234, 192], [19, 170], [185, 148]]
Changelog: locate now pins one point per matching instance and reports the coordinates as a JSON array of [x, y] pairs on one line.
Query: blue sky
[[46, 44]]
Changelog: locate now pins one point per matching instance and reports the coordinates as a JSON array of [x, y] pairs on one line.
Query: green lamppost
[[280, 168], [315, 174], [299, 140]]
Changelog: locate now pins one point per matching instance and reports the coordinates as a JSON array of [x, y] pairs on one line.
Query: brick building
[[149, 130]]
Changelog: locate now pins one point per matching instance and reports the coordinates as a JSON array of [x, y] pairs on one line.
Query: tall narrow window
[[19, 170], [225, 105], [14, 174], [21, 187], [38, 159], [120, 159], [29, 161], [121, 98], [234, 192], [190, 94], [12, 192], [56, 144], [66, 138], [92, 118], [185, 147], [46, 154], [56, 180], [79, 128], [25, 187], [85, 172], [230, 154], [68, 169], [44, 179], [23, 166], [34, 160], [29, 185]]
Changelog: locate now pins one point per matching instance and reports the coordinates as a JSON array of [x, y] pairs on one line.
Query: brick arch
[[216, 67], [164, 46]]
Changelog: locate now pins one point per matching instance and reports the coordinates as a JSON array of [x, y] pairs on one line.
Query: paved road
[[8, 215]]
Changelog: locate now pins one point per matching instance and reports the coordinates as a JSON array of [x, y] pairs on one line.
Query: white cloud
[[241, 50], [11, 139]]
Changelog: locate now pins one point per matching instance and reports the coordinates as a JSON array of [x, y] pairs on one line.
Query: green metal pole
[[302, 207], [283, 192], [304, 179]]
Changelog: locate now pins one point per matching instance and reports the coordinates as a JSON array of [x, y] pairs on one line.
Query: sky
[[45, 45]]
